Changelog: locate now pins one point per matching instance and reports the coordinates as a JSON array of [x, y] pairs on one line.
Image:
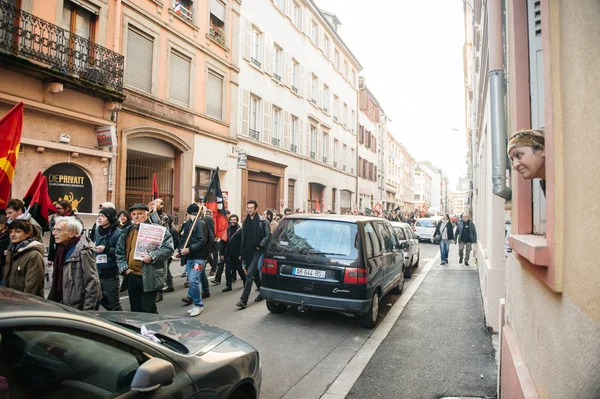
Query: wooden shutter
[[139, 60], [301, 81], [308, 138], [287, 122], [300, 133], [287, 69], [268, 49], [179, 89], [245, 112], [266, 122], [319, 145], [247, 39], [214, 95]]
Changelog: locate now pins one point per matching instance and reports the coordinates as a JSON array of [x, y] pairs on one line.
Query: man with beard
[[256, 233], [107, 238], [231, 253]]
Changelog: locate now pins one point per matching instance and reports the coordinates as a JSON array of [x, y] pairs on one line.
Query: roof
[[336, 218]]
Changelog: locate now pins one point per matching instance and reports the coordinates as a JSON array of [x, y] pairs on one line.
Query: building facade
[[369, 142], [436, 186], [407, 177], [422, 189], [71, 85], [542, 297], [394, 175], [298, 108]]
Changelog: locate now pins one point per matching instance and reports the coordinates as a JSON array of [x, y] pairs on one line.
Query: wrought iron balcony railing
[[254, 134], [181, 10], [277, 77], [275, 141], [218, 35], [312, 100], [335, 164], [294, 89], [324, 159], [294, 148], [25, 35], [255, 61], [335, 118], [313, 155]]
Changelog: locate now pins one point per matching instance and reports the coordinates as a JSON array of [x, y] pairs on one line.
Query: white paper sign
[[150, 237]]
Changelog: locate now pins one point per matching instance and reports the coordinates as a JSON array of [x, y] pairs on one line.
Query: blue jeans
[[444, 249], [205, 286], [260, 262], [195, 280], [253, 275]]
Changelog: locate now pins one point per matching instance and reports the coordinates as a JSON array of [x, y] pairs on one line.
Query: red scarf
[[57, 273]]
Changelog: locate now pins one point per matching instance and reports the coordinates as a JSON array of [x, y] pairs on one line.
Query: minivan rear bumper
[[356, 306]]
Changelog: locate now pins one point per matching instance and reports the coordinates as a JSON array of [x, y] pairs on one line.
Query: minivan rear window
[[426, 223], [315, 237]]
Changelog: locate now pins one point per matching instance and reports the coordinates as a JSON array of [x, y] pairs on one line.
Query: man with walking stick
[[195, 246]]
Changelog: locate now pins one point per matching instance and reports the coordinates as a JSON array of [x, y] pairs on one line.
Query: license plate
[[308, 272]]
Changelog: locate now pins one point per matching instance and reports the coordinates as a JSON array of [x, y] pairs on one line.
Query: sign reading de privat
[[67, 181]]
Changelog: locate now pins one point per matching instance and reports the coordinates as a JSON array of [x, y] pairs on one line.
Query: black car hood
[[197, 337]]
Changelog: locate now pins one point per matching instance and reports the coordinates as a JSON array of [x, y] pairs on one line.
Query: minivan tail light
[[353, 275], [269, 266]]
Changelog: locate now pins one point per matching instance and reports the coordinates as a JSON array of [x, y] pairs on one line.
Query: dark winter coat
[[199, 238], [109, 239], [472, 233], [438, 230], [24, 270]]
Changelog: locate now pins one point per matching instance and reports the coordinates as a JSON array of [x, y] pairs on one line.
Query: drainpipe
[[117, 26], [497, 107]]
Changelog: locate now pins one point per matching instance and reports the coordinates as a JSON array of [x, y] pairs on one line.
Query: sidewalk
[[438, 347]]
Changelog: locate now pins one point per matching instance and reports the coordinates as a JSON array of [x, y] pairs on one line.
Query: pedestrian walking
[[15, 210], [231, 250], [24, 270], [92, 232], [157, 213], [143, 278], [64, 209], [270, 216], [256, 233], [466, 236], [445, 233], [175, 234], [124, 219], [75, 280], [194, 245], [107, 238]]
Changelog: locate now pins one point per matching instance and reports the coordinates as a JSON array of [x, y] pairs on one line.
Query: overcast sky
[[411, 53]]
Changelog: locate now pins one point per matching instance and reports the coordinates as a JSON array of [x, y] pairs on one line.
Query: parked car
[[412, 254], [51, 351], [425, 228], [332, 262]]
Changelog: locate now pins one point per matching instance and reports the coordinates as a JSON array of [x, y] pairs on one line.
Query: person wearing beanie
[[107, 237], [92, 232], [146, 277], [194, 245], [527, 152]]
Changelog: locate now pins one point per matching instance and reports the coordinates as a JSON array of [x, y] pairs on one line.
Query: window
[[313, 32], [297, 15], [278, 63], [352, 160], [314, 87], [214, 95], [78, 20], [184, 8], [336, 59], [295, 76], [353, 81], [346, 72], [276, 132], [325, 146], [326, 46], [57, 362], [325, 98], [387, 240], [336, 152], [344, 160], [217, 21], [138, 73], [280, 4], [372, 243], [294, 135], [179, 88], [353, 122], [313, 142], [336, 108], [256, 47], [345, 116], [254, 104]]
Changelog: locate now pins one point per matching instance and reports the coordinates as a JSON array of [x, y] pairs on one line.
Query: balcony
[[325, 110], [335, 164], [255, 62], [277, 77], [324, 159], [344, 168], [313, 101], [35, 47], [313, 155], [294, 148], [254, 134], [218, 35], [182, 11], [275, 141], [295, 89], [335, 118]]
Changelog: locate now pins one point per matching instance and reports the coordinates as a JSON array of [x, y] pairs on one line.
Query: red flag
[[214, 201], [32, 189], [10, 139], [41, 205], [154, 187], [317, 207]]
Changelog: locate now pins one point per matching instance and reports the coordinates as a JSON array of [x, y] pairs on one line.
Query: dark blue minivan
[[332, 262]]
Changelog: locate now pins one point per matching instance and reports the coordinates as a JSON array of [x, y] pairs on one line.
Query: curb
[[349, 375]]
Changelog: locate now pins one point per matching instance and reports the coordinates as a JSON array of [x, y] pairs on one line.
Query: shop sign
[[242, 160], [106, 136], [67, 181]]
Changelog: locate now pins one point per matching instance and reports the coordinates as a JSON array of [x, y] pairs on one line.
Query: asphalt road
[[302, 353]]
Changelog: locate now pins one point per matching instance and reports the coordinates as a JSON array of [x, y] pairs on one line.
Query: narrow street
[[302, 354]]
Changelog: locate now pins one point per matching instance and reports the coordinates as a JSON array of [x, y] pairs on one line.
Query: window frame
[[254, 100], [186, 55], [218, 74], [151, 31]]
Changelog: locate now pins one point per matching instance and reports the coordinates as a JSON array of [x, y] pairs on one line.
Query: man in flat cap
[[143, 278], [527, 152]]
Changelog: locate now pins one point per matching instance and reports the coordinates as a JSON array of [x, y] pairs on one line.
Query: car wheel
[[416, 264], [397, 290], [408, 272], [276, 308], [369, 320]]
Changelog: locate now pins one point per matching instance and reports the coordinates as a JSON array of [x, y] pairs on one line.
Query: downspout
[[117, 26], [497, 107]]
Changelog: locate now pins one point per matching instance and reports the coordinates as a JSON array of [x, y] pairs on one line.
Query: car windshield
[[316, 237], [425, 223]]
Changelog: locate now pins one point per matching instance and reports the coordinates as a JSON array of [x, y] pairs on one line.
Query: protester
[[526, 149], [213, 255], [256, 233], [4, 243], [157, 214], [24, 270], [270, 216], [194, 244], [231, 253], [287, 212], [467, 236], [175, 235], [15, 209], [124, 219], [445, 232], [143, 278], [92, 232], [64, 209], [75, 280], [107, 238]]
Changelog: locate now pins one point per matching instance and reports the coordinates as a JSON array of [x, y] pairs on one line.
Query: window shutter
[[288, 8], [319, 145], [245, 112], [179, 89], [319, 96], [287, 75], [332, 151], [268, 54], [287, 121], [139, 61], [300, 133], [309, 93], [266, 122], [214, 96], [217, 9], [301, 81], [247, 39], [307, 139]]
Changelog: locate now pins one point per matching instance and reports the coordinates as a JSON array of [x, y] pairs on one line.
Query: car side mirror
[[152, 374]]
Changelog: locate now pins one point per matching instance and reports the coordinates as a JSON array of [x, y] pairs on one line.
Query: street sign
[[106, 136], [242, 160]]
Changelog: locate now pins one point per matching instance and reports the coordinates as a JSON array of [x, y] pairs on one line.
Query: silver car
[[412, 254]]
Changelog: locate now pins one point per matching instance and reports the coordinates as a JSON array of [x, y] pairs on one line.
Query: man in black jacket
[[467, 236], [256, 233], [231, 253], [107, 238]]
